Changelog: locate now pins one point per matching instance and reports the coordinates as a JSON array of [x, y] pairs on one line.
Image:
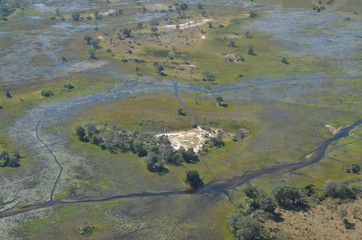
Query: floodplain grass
[[206, 54]]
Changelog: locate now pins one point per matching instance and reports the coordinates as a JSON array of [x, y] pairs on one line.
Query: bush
[[47, 93], [193, 179], [289, 197], [246, 228], [353, 168]]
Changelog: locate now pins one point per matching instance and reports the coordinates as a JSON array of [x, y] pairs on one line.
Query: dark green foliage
[[258, 200], [92, 54], [251, 51], [86, 230], [251, 192], [252, 14], [81, 133], [184, 6], [348, 225], [7, 7], [232, 44], [8, 94], [10, 159], [69, 86], [127, 32], [246, 228], [208, 76], [87, 39], [309, 190], [285, 60], [289, 197], [193, 179], [47, 93], [76, 16], [181, 112], [159, 69], [340, 190], [188, 156], [157, 151], [353, 168]]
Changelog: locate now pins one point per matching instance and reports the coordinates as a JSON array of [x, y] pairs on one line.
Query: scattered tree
[[285, 60], [289, 197], [46, 93], [76, 16], [86, 230], [208, 76], [193, 179], [181, 112], [8, 94]]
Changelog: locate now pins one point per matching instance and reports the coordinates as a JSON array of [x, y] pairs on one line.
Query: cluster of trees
[[95, 45], [341, 190], [7, 7], [248, 224], [157, 151], [10, 159]]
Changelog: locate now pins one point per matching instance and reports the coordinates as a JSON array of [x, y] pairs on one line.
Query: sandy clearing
[[193, 138], [187, 25]]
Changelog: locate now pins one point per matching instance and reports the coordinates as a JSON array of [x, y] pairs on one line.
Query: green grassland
[[188, 45]]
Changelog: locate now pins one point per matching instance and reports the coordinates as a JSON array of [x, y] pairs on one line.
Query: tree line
[[246, 223]]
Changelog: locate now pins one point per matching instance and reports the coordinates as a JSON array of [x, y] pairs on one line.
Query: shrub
[[47, 93]]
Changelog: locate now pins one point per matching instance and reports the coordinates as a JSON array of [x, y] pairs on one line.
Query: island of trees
[[156, 151]]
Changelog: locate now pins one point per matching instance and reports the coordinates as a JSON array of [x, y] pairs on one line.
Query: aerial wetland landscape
[[152, 119]]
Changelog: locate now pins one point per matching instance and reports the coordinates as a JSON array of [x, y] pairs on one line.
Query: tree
[[181, 112], [252, 14], [184, 6], [127, 32], [289, 197], [208, 76], [8, 94], [154, 164], [251, 51], [86, 230], [285, 60], [76, 16], [266, 203], [69, 86], [354, 168], [330, 188], [92, 54], [251, 192], [193, 179], [81, 133], [57, 12], [232, 44], [246, 228], [220, 101], [188, 156], [87, 39], [46, 93]]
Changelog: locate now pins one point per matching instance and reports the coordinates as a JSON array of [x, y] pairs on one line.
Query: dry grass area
[[323, 221], [193, 138]]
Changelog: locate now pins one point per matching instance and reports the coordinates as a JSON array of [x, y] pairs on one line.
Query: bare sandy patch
[[190, 24], [335, 130], [193, 138]]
